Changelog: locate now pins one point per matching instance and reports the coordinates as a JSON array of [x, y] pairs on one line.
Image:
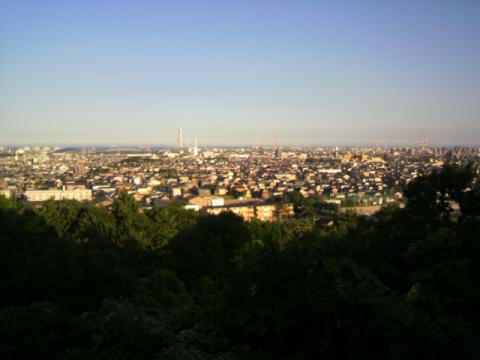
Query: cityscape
[[239, 180], [252, 182]]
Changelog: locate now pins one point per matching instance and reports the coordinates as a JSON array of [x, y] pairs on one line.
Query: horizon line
[[173, 145]]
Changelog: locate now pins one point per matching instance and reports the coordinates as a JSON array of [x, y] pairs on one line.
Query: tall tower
[[195, 148], [278, 150], [180, 138], [423, 142]]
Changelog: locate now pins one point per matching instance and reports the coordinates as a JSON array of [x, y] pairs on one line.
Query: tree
[[208, 248], [132, 227], [167, 222]]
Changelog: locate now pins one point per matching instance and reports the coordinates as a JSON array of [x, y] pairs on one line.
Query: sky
[[233, 72]]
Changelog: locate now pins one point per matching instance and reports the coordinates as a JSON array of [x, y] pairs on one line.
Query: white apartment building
[[57, 195]]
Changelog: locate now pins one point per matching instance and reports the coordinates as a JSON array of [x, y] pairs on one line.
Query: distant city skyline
[[239, 145], [305, 72]]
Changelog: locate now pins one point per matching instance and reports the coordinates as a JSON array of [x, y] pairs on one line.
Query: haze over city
[[239, 72]]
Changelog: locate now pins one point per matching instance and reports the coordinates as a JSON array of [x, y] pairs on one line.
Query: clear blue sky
[[240, 72]]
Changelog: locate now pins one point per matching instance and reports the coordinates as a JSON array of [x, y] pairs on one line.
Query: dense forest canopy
[[82, 282]]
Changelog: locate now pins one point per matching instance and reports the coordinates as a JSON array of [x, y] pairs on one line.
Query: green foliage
[[167, 222], [35, 265], [310, 208], [429, 197], [60, 215], [8, 203], [208, 248], [126, 331], [79, 281], [161, 288], [131, 226], [300, 302], [40, 330]]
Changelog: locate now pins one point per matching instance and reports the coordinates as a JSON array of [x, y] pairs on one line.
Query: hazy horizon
[[308, 73], [213, 145]]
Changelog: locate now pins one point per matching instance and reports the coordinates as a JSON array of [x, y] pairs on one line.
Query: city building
[[57, 195]]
